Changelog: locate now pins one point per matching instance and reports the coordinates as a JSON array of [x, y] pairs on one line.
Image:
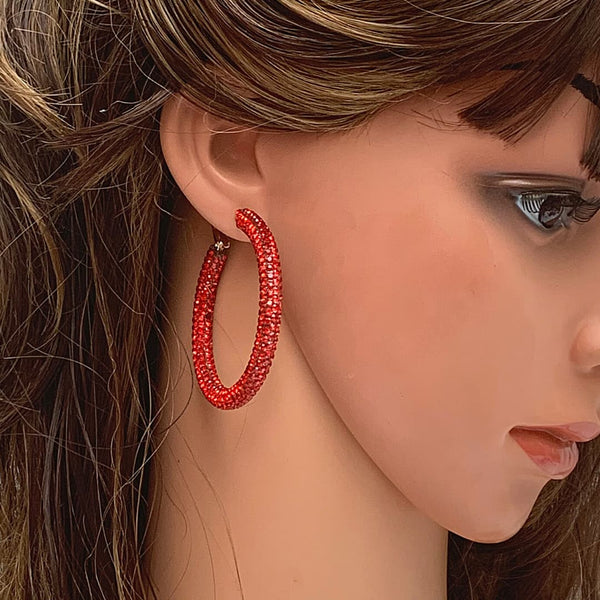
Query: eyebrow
[[587, 87], [584, 85]]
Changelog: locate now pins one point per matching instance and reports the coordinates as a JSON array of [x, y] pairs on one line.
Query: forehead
[[437, 139]]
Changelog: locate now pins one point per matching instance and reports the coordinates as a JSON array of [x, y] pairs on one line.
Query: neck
[[277, 495]]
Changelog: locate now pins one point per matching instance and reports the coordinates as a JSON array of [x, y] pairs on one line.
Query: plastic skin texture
[[423, 318]]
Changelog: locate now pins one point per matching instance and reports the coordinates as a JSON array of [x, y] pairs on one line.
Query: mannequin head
[[419, 294], [363, 137]]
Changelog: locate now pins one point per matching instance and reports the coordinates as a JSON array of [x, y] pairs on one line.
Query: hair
[[85, 200]]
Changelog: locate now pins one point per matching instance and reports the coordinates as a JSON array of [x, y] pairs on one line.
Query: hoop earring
[[269, 314]]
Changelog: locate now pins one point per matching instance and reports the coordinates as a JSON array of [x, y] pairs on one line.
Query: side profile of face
[[433, 311], [435, 314]]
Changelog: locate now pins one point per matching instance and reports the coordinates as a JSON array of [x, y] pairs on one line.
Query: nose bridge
[[581, 295], [582, 299]]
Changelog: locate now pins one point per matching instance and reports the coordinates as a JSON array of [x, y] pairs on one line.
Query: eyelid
[[532, 181], [520, 185]]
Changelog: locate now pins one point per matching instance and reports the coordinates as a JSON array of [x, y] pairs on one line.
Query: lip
[[553, 448], [555, 457], [572, 432]]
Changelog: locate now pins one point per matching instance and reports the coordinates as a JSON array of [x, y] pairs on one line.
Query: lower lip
[[553, 456]]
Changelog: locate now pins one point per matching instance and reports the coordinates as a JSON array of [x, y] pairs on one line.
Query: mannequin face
[[435, 315]]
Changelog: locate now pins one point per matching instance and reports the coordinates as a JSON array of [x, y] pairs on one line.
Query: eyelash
[[549, 207]]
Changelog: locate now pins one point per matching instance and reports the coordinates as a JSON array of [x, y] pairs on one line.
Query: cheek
[[410, 319], [420, 297], [422, 315], [433, 275]]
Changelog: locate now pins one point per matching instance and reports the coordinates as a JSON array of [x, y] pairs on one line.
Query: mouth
[[572, 432], [554, 456]]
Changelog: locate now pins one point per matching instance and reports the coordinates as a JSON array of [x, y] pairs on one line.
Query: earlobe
[[213, 161]]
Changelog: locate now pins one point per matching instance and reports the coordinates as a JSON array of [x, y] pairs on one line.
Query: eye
[[553, 210]]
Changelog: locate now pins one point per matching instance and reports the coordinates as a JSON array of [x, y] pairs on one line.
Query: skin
[[423, 319]]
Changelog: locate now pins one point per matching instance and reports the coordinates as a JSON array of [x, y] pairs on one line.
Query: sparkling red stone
[[269, 317]]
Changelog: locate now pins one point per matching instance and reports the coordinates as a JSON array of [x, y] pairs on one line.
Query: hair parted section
[[84, 206]]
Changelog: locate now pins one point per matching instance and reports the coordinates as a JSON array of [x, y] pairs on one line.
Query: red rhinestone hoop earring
[[269, 314]]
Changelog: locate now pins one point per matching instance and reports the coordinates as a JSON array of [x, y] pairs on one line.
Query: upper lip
[[572, 432]]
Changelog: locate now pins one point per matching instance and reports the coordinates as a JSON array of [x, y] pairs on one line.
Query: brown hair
[[85, 198]]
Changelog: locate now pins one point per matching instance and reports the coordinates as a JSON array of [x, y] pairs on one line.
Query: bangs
[[493, 116], [514, 107]]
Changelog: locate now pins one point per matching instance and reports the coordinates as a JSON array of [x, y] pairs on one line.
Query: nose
[[585, 351]]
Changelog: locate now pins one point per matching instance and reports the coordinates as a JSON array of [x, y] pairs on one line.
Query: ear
[[213, 162]]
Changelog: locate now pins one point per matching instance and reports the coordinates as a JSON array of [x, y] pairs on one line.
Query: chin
[[499, 530], [494, 537], [491, 523]]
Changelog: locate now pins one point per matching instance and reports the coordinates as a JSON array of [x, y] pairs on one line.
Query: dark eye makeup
[[549, 202]]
